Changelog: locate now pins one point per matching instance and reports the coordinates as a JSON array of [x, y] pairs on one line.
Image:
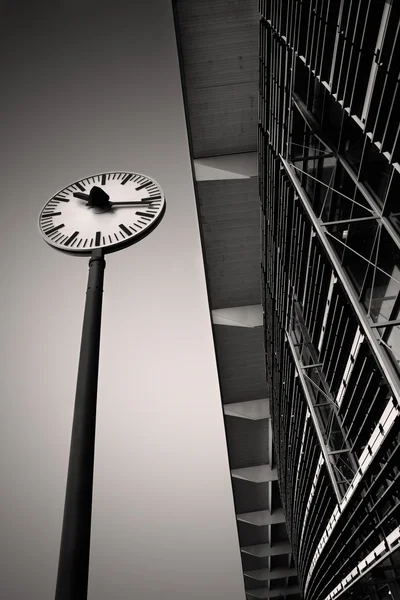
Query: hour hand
[[97, 198], [81, 195]]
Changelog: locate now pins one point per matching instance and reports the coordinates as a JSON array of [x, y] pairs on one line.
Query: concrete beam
[[267, 574], [264, 550], [261, 518], [227, 166], [239, 316], [257, 474], [266, 593], [254, 410]]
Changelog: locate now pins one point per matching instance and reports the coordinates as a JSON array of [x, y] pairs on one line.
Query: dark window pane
[[297, 135], [392, 206], [383, 283], [352, 143], [375, 172], [354, 244], [339, 204], [301, 80], [332, 120]]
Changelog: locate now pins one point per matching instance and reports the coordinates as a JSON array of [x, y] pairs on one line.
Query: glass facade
[[329, 186]]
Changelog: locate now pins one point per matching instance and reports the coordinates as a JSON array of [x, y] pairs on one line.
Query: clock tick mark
[[80, 186], [143, 186], [71, 238], [125, 229], [144, 214], [49, 214], [53, 229], [126, 178], [60, 199]]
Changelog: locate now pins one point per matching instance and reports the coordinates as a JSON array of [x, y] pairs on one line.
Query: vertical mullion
[[374, 67], [313, 41], [392, 71], [336, 43]]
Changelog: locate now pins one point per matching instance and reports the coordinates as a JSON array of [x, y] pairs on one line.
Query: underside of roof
[[218, 46]]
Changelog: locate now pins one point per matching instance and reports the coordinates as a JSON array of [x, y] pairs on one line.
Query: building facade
[[329, 186]]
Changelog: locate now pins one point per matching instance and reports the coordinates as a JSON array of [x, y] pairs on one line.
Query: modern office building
[[310, 384], [218, 47], [329, 154]]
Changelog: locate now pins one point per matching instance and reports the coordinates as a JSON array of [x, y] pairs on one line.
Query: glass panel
[[352, 143], [340, 205], [297, 135], [392, 206], [375, 172], [383, 283], [324, 172], [354, 245], [332, 120]]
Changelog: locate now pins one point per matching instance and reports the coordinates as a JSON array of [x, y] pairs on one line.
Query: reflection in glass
[[382, 286]]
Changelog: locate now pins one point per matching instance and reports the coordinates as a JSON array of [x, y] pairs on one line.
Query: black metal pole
[[73, 565]]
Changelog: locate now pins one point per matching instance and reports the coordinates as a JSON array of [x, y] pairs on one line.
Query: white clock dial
[[105, 211]]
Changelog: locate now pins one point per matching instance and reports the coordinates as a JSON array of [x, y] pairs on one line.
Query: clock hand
[[130, 203], [101, 199]]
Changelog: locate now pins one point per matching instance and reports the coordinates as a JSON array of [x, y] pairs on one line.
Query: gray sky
[[83, 92]]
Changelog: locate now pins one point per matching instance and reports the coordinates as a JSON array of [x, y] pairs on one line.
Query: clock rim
[[118, 245]]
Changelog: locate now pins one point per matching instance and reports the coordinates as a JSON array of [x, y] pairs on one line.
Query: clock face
[[105, 211]]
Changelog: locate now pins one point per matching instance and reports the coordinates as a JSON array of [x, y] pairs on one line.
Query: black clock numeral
[[71, 238], [143, 186], [60, 199], [126, 178], [103, 179], [125, 229], [80, 186], [143, 214], [53, 229], [98, 238]]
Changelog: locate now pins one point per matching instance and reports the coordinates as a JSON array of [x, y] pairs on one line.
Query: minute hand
[[128, 203]]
